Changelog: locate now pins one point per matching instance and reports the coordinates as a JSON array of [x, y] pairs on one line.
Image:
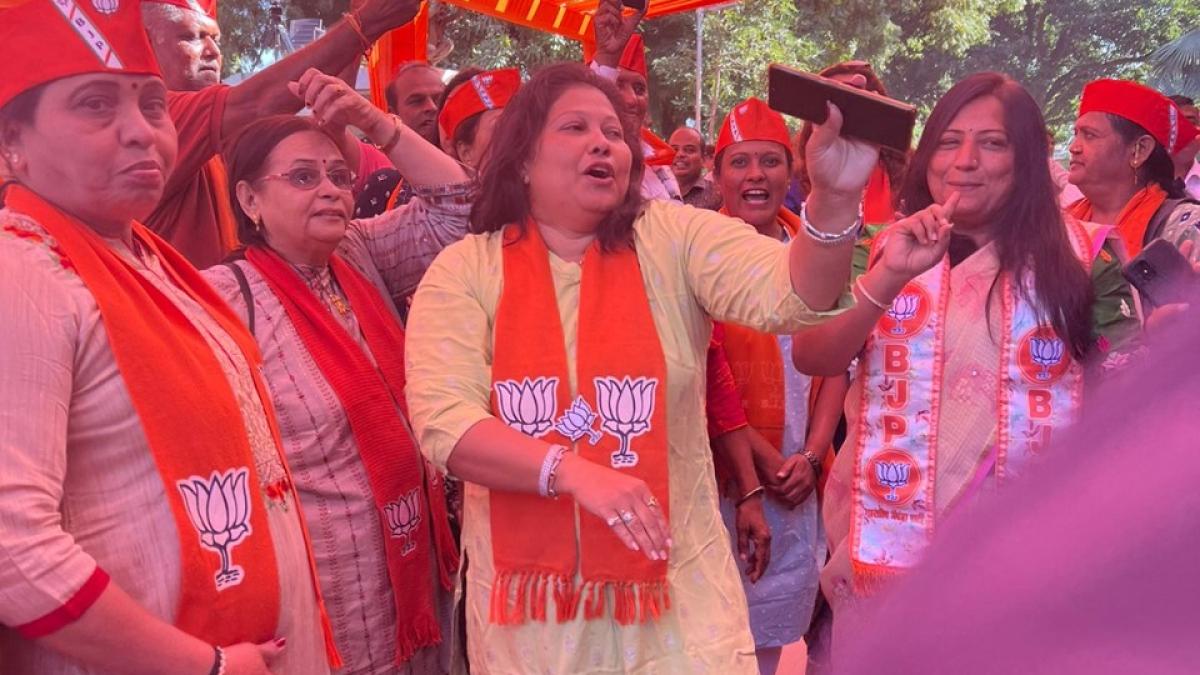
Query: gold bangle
[[398, 130], [750, 495], [862, 288], [356, 24]]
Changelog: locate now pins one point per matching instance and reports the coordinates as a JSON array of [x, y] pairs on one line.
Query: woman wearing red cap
[[972, 333], [474, 100], [147, 523], [1125, 137], [556, 364], [753, 166]]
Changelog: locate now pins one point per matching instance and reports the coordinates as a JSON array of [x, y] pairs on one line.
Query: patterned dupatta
[[1039, 387]]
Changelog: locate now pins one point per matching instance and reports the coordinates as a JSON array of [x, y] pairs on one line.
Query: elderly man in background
[[195, 213], [688, 167]]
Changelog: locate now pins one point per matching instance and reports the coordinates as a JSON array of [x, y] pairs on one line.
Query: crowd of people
[[498, 380]]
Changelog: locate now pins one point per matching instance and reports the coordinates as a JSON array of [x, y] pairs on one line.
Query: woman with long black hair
[[972, 351]]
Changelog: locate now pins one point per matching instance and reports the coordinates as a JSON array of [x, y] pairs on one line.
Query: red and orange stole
[[410, 501], [1133, 220], [618, 419], [758, 366], [229, 589]]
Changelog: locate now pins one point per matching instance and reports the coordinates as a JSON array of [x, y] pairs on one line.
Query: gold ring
[[652, 502]]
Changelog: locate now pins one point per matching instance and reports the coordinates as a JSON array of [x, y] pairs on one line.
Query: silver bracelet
[[554, 457], [831, 238]]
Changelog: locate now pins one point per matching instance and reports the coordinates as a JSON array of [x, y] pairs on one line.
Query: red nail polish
[[281, 642]]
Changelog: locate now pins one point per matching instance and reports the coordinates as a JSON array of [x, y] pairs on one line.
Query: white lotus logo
[[403, 516], [529, 406], [626, 406], [219, 508]]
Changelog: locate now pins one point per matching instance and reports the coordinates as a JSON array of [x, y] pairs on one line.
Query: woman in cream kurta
[[697, 266]]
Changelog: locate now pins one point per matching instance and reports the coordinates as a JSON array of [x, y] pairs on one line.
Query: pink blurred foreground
[[1090, 565]]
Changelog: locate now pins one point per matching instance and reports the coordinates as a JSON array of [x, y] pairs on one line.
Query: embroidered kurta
[[967, 422], [79, 487], [392, 250], [695, 265]]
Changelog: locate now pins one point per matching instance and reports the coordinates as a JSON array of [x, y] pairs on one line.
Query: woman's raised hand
[[838, 165], [916, 243], [622, 501], [335, 104]]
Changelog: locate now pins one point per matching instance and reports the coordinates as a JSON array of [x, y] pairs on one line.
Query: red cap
[[490, 90], [634, 56], [1155, 113], [208, 7], [46, 40], [752, 120]]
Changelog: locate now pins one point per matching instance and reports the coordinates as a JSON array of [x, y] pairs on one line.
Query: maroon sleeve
[[724, 409], [198, 121]]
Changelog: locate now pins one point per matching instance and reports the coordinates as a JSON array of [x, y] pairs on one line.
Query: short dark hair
[[246, 154], [503, 195], [21, 108], [1181, 100], [1158, 168], [389, 92]]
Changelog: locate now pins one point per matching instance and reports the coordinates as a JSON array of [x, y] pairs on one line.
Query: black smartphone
[[866, 115], [1161, 274], [636, 5]]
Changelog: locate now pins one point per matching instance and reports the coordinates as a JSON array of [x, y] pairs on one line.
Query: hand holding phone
[[1161, 274], [866, 115]]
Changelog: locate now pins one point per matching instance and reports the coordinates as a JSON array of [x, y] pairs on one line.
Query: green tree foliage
[[1054, 47], [919, 47]]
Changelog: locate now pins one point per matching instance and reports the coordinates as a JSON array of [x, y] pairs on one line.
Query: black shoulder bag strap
[[247, 296]]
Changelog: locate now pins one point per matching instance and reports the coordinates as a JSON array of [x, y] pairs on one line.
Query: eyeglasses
[[308, 179]]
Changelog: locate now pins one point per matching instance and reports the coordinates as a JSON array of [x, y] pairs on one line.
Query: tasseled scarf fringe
[[420, 634], [518, 597]]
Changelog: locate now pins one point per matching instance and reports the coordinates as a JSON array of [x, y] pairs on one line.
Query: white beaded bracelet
[[554, 457], [831, 238]]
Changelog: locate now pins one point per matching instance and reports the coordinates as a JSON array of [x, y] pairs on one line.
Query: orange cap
[[490, 90], [46, 40], [752, 120], [634, 56], [1143, 106]]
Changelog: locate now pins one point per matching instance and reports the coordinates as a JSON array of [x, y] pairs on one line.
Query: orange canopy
[[569, 18]]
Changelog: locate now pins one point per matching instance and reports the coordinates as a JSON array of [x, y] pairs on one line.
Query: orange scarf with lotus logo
[[229, 589], [617, 418], [409, 496]]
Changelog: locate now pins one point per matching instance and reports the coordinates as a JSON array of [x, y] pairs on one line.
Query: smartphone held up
[[866, 115]]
